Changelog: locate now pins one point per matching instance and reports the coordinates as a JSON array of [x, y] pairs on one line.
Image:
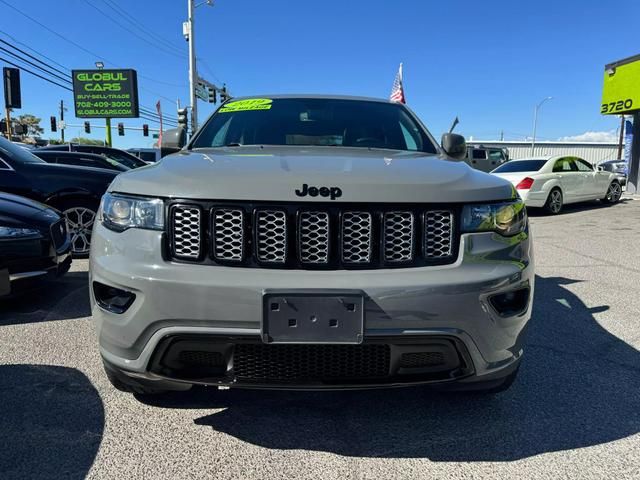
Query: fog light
[[112, 299], [510, 303]]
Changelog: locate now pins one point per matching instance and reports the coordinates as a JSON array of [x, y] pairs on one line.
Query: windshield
[[123, 158], [314, 122], [14, 153], [521, 166]]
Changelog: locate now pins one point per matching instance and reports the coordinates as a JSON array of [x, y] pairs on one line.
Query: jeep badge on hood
[[333, 192]]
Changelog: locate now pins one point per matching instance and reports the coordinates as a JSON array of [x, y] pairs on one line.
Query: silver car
[[312, 242]]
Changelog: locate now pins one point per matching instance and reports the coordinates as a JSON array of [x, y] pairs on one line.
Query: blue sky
[[488, 62]]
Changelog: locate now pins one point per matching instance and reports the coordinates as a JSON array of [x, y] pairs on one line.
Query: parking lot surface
[[574, 411]]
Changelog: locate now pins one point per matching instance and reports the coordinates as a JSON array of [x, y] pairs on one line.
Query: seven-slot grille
[[328, 236]]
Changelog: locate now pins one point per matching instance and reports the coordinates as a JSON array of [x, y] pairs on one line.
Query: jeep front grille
[[328, 236]]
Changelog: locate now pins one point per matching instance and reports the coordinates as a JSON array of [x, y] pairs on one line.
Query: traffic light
[[121, 129], [87, 127], [224, 96], [182, 118], [212, 95], [54, 124], [145, 130]]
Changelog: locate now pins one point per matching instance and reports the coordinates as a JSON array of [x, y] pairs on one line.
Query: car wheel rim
[[80, 223], [614, 193], [556, 202]]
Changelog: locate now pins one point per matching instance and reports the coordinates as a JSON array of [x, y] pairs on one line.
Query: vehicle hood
[[20, 211], [275, 173]]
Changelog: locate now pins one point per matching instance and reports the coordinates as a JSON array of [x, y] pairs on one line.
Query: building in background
[[592, 152]]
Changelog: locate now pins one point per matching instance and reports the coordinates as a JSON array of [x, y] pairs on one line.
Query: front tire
[[554, 202], [614, 192]]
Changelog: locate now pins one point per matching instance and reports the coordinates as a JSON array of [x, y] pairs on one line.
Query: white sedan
[[551, 182]]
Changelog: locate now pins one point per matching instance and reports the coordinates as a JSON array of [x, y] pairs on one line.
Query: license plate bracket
[[322, 318]]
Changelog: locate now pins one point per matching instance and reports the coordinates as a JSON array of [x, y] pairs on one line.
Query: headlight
[[14, 232], [119, 212], [507, 219]]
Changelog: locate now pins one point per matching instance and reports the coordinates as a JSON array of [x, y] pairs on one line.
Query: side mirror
[[175, 138], [454, 145]]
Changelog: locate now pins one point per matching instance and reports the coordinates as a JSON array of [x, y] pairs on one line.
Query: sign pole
[[108, 132], [8, 115]]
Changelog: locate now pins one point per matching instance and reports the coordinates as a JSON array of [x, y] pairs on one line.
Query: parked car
[[617, 167], [125, 158], [79, 159], [552, 182], [318, 242], [34, 242], [76, 191], [149, 155], [484, 158]]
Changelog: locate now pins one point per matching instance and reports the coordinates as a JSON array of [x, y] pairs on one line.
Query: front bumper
[[26, 260], [418, 304]]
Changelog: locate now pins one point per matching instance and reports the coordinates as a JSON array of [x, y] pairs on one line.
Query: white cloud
[[609, 136]]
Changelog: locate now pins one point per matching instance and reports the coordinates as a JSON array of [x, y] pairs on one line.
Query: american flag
[[397, 92], [159, 109]]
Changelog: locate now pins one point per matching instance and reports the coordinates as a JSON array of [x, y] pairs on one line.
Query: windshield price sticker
[[105, 93], [247, 105]]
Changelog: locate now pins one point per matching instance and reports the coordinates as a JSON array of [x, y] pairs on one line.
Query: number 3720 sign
[[105, 93], [621, 90]]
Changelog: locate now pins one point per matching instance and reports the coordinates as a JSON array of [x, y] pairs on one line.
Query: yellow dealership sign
[[621, 91]]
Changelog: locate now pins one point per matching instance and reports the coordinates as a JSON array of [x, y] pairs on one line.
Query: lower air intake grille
[[421, 359], [310, 362]]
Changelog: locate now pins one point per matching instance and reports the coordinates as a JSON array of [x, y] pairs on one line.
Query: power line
[[32, 49], [15, 55], [133, 32], [34, 74], [136, 23]]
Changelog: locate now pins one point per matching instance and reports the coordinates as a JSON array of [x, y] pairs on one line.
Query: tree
[[55, 141], [32, 124], [87, 141]]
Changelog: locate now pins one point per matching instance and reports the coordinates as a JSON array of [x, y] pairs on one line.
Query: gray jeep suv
[[311, 242]]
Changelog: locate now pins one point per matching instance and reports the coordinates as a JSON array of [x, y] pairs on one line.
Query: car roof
[[65, 152], [314, 96]]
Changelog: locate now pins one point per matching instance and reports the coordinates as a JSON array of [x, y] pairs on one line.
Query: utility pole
[[188, 30], [62, 120], [193, 73]]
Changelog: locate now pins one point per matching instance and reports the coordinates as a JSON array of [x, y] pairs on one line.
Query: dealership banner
[[628, 140], [105, 93]]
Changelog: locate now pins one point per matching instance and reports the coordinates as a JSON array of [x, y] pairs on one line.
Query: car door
[[590, 184], [496, 158], [569, 178]]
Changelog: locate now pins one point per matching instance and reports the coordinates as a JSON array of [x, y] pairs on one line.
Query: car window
[[564, 165], [12, 153], [521, 166], [3, 165], [314, 122], [479, 154], [583, 166], [410, 141], [496, 155]]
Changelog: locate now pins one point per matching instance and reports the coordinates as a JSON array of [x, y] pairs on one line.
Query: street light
[[535, 123]]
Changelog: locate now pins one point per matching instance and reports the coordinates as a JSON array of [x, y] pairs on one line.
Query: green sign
[[621, 91], [105, 93]]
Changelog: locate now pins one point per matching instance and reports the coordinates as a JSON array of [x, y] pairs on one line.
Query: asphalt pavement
[[574, 411]]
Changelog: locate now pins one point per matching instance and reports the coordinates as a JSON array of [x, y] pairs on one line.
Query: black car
[[619, 167], [34, 242], [125, 158], [80, 159], [75, 191]]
